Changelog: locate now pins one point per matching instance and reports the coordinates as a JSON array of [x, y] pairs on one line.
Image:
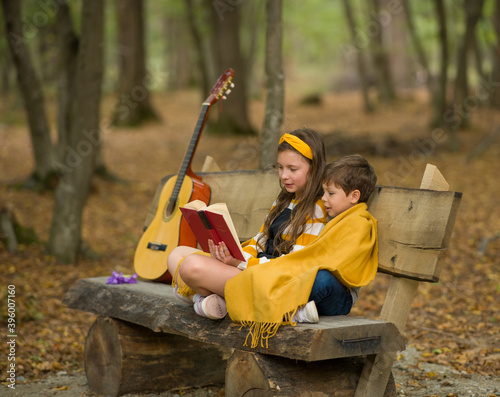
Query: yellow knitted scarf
[[266, 296]]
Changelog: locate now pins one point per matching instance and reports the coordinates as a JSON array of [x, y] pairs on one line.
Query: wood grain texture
[[123, 358], [414, 230], [258, 375], [153, 305]]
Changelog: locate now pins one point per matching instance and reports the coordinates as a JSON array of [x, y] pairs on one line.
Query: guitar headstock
[[221, 87]]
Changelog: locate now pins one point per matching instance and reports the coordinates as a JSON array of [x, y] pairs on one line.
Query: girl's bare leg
[[206, 275], [176, 255]]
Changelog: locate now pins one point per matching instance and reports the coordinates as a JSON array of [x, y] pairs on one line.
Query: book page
[[221, 208], [195, 205], [213, 222], [225, 228]]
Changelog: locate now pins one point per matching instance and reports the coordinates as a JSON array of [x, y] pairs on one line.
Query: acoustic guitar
[[168, 229]]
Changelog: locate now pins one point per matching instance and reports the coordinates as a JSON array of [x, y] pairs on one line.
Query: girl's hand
[[213, 249], [221, 253]]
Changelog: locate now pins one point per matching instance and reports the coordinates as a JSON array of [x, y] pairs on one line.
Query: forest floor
[[453, 331]]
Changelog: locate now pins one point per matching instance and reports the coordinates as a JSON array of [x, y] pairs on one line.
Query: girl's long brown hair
[[308, 197]]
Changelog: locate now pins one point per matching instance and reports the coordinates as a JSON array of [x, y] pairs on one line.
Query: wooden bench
[[144, 339]]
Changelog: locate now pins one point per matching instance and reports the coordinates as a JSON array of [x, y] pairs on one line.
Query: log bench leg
[[122, 358], [259, 375], [375, 373]]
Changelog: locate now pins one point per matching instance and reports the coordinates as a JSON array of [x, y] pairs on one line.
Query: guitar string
[[189, 152]]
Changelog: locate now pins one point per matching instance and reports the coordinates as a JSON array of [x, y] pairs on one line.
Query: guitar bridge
[[157, 246]]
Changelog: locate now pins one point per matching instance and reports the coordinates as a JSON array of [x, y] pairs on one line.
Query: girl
[[295, 220], [324, 276]]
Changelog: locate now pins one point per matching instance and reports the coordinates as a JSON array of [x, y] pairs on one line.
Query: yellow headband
[[298, 144]]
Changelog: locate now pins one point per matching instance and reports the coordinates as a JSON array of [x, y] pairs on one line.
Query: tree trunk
[[384, 82], [478, 56], [201, 54], [252, 19], [419, 50], [495, 74], [275, 84], [71, 193], [473, 11], [68, 44], [31, 91], [8, 234], [396, 42], [133, 106], [6, 69], [226, 23], [440, 117], [177, 55], [360, 58], [46, 57]]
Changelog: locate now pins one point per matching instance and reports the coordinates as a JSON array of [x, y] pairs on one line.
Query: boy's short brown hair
[[351, 173]]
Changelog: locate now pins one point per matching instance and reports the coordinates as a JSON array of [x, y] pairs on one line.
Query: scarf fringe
[[288, 317], [259, 332], [262, 332], [182, 288]]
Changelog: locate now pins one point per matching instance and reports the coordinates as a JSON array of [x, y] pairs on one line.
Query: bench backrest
[[414, 230], [414, 225]]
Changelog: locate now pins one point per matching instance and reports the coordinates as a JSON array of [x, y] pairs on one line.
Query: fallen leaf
[[60, 388]]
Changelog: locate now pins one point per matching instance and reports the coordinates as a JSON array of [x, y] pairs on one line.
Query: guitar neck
[[220, 87], [188, 158]]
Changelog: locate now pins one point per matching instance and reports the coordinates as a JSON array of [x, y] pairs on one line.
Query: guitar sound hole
[[170, 207]]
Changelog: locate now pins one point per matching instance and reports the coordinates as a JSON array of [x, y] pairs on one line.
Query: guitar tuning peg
[[232, 85], [228, 92], [224, 97]]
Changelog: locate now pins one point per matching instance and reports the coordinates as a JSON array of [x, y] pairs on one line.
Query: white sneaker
[[182, 298], [211, 306], [307, 313]]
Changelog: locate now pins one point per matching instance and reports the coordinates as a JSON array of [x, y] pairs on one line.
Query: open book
[[214, 223]]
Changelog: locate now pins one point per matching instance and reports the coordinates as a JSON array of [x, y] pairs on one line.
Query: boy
[[344, 256], [346, 182]]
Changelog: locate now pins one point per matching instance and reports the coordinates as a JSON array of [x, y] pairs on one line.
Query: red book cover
[[201, 233], [224, 234], [213, 224]]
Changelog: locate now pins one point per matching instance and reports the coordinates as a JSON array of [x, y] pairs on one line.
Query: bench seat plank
[[154, 306]]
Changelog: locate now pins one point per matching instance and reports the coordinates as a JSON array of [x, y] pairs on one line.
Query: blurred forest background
[[98, 100]]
